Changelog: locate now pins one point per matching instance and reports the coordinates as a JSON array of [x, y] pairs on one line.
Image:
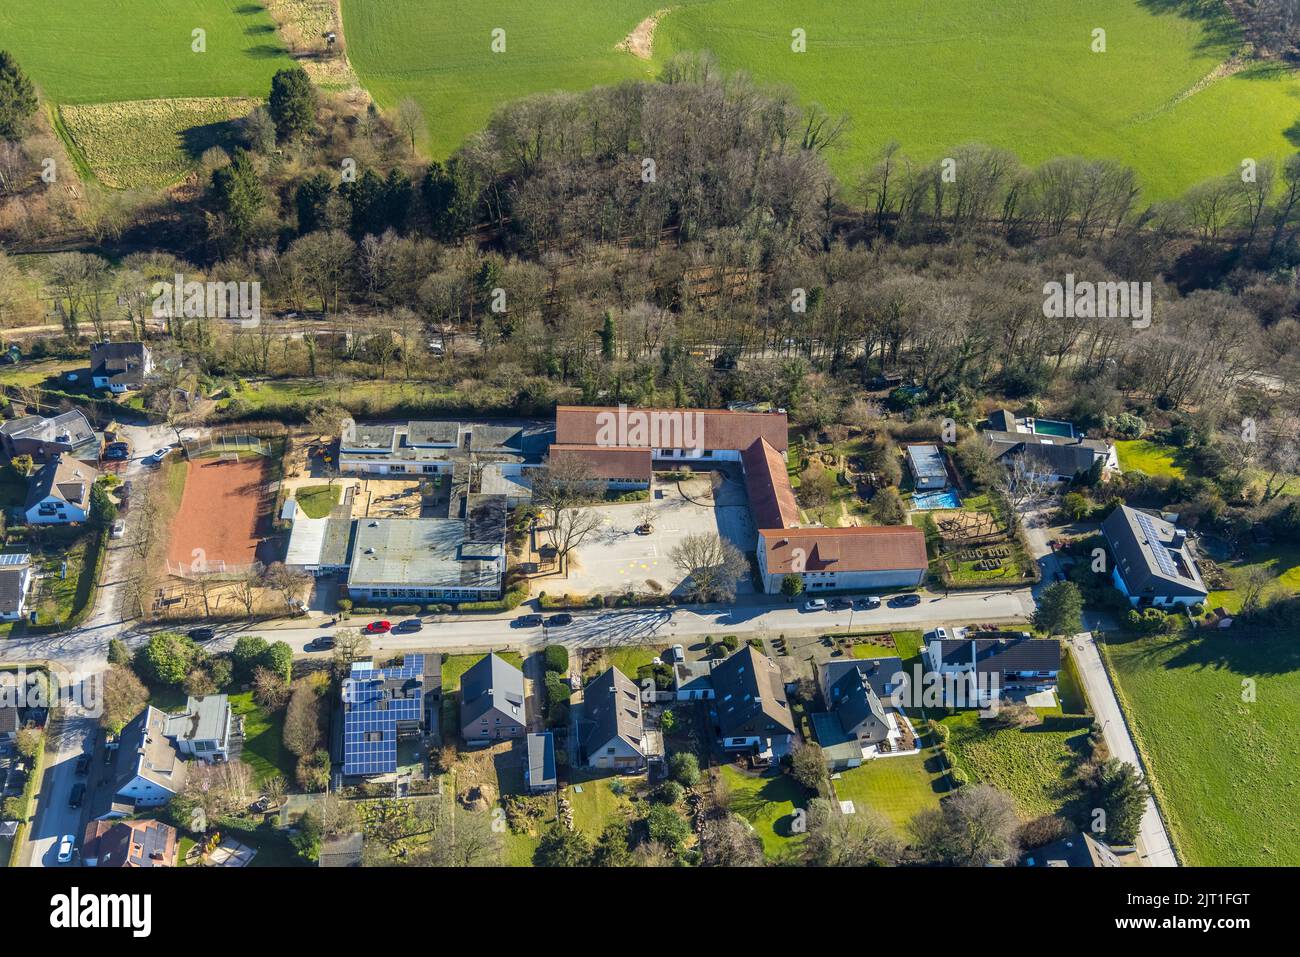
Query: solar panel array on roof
[[373, 712], [21, 558], [1157, 549]]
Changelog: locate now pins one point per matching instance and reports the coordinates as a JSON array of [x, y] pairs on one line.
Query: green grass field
[[768, 802], [1282, 560], [317, 501], [1225, 767], [932, 74], [1031, 764], [1141, 455], [899, 788]]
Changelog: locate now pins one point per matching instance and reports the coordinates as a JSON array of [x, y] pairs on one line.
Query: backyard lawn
[[1140, 455], [632, 658], [898, 787], [1032, 764], [596, 805], [264, 749], [1214, 715], [316, 501], [766, 801], [1282, 560]]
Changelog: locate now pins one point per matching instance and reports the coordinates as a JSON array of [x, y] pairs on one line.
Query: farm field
[[93, 59], [1019, 74], [1224, 767]]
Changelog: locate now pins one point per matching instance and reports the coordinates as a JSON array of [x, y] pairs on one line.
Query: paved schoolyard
[[615, 557]]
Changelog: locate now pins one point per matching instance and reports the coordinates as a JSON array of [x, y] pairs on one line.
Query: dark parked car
[[868, 603], [78, 792], [904, 601], [840, 603], [555, 621], [202, 634], [117, 451], [83, 763], [527, 621], [411, 624], [322, 642]]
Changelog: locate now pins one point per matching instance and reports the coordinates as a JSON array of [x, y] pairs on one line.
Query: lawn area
[[374, 396], [1030, 764], [597, 804], [898, 787], [317, 501], [453, 666], [892, 71], [1282, 560], [1141, 455], [1225, 767], [768, 802], [1069, 689], [264, 749], [632, 658], [37, 371]]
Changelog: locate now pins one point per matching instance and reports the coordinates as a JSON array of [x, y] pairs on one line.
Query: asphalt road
[[1153, 840], [70, 734]]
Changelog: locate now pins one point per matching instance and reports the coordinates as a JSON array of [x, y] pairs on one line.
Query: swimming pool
[[1050, 427], [926, 501]]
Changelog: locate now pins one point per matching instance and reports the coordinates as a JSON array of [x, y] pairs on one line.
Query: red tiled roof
[[718, 428], [618, 462], [767, 483], [865, 548]]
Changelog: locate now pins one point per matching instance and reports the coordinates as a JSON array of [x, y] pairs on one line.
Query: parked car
[[867, 604], [527, 621], [941, 634], [557, 621], [202, 634], [679, 653], [119, 529], [411, 624], [904, 601], [117, 451], [67, 847], [379, 627], [815, 604], [838, 604], [75, 797], [83, 764], [322, 642], [158, 456]]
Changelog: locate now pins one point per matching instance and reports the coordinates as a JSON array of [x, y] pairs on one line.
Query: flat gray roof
[[417, 552]]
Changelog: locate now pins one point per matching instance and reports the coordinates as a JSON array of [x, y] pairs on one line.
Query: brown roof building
[[617, 466], [771, 497], [142, 843], [674, 433]]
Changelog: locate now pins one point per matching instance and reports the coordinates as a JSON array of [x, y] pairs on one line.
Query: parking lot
[[615, 557]]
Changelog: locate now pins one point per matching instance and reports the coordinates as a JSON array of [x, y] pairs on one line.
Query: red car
[[378, 627]]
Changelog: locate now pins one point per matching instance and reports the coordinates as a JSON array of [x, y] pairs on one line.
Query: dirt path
[[640, 42], [1229, 67]]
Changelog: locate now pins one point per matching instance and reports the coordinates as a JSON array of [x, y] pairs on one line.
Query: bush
[[684, 768], [345, 605], [314, 771], [670, 792], [405, 609], [958, 777], [557, 658]]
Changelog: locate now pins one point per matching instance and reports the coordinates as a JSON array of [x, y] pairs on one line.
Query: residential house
[[611, 728], [204, 729], [693, 680], [492, 701], [1152, 561], [861, 720], [540, 775], [1077, 850], [120, 366], [147, 769], [995, 664], [45, 439], [382, 706], [16, 576], [929, 470], [751, 707], [120, 843], [1061, 457], [59, 492]]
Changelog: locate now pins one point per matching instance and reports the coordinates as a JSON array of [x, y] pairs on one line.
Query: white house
[[59, 492], [148, 769], [1152, 562], [120, 366], [16, 577]]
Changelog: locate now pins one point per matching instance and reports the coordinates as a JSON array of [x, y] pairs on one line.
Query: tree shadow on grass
[[197, 140], [266, 51], [1219, 26]]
